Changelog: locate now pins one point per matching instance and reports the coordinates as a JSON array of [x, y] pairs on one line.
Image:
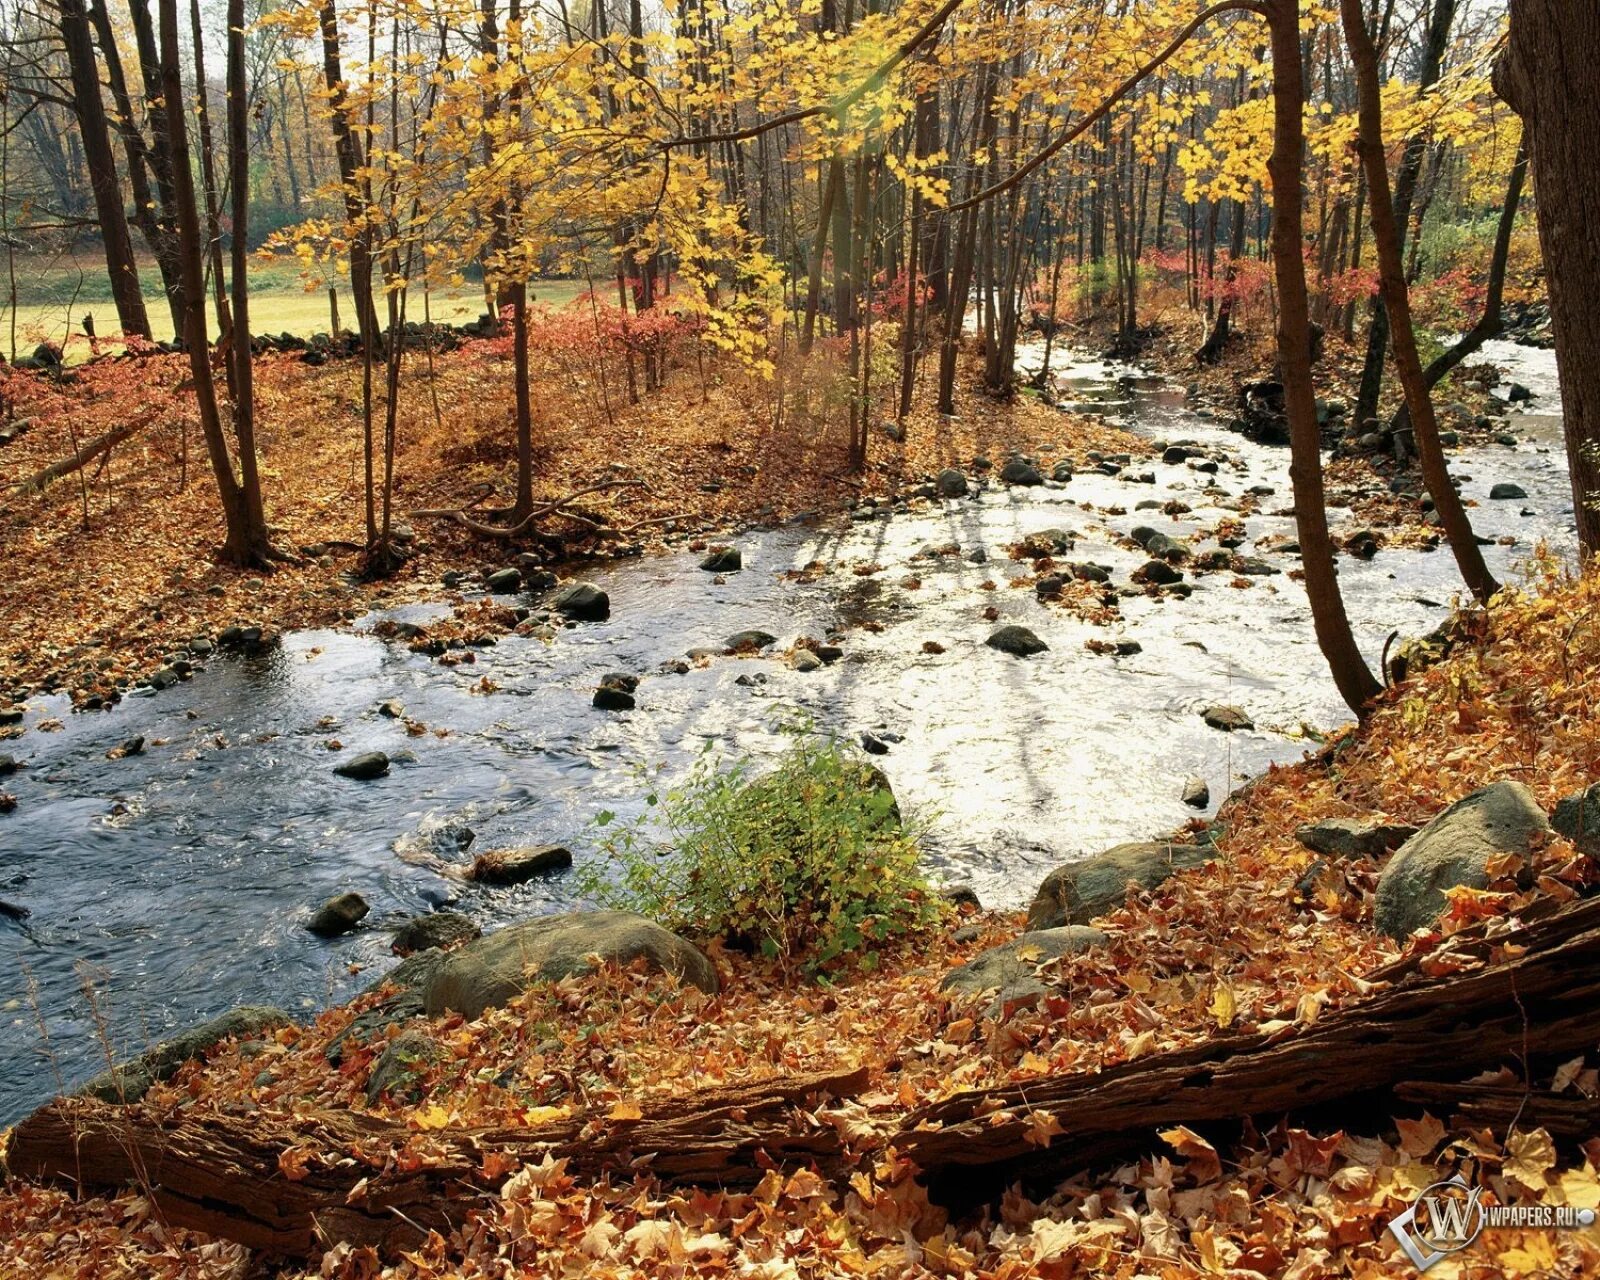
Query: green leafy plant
[[810, 861]]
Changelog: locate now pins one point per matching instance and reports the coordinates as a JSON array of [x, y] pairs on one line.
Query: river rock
[[339, 914], [1454, 849], [749, 641], [583, 602], [951, 483], [365, 767], [436, 929], [504, 581], [400, 1069], [1227, 718], [1020, 471], [615, 692], [1354, 837], [501, 965], [1079, 891], [513, 866], [805, 660], [1048, 542], [9, 764], [1196, 793], [1011, 970], [1157, 573], [1506, 491], [129, 1081], [405, 984], [1017, 641], [1061, 472], [392, 709], [723, 560], [960, 895], [1578, 818]]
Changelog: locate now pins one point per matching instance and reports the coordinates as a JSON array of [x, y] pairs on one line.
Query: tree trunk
[[347, 147], [1550, 76], [1397, 303], [241, 547], [1491, 321], [1351, 674], [256, 545], [1405, 185], [101, 160]]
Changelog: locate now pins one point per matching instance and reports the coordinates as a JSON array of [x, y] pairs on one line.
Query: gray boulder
[[1158, 573], [1017, 641], [1454, 849], [365, 767], [1507, 492], [951, 483], [129, 1081], [339, 914], [1020, 472], [501, 965], [504, 581], [1578, 818], [437, 929], [1079, 891], [1011, 970], [805, 660], [1196, 793], [749, 641], [405, 984], [400, 1069], [723, 560], [1227, 718], [513, 866], [583, 602], [1354, 837]]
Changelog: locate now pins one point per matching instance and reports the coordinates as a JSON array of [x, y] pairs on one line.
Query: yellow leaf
[[1529, 1156], [1223, 1005], [626, 1111], [432, 1116]]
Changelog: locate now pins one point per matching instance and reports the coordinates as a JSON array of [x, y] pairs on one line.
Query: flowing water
[[176, 883]]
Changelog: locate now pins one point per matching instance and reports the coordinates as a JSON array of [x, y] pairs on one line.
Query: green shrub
[[810, 861]]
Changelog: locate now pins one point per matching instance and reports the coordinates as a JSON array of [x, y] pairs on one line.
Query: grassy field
[[54, 293]]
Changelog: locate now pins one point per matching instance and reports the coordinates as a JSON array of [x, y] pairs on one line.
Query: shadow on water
[[177, 881]]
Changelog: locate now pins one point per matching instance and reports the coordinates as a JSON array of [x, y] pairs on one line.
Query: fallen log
[[41, 479], [1536, 987], [293, 1186], [1542, 997], [1569, 1117], [484, 529]]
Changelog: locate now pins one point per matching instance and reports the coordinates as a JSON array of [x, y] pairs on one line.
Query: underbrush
[[811, 861]]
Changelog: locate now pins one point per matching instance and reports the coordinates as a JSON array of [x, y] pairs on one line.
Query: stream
[[176, 883]]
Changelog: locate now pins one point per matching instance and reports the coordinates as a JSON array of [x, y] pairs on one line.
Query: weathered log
[[41, 479], [1543, 996], [291, 1186], [554, 507], [359, 1178], [1566, 1117]]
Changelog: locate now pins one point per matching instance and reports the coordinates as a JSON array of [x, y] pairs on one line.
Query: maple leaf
[[1530, 1156], [1041, 1127], [1204, 1163]]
